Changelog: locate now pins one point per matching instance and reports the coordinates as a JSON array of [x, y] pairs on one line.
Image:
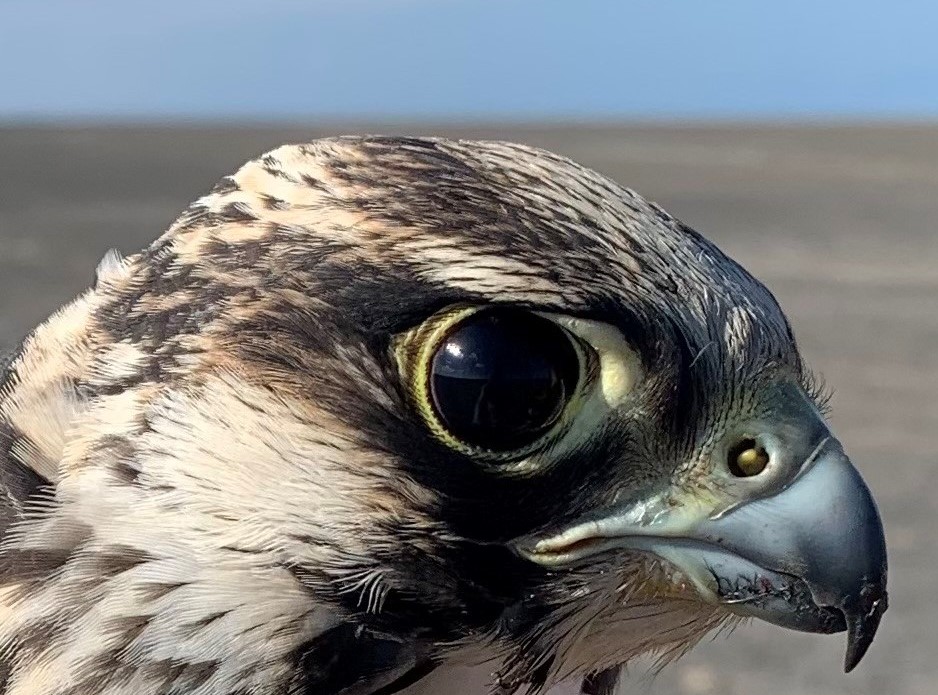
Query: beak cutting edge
[[823, 529], [810, 557]]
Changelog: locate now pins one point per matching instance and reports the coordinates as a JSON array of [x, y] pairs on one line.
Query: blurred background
[[796, 135]]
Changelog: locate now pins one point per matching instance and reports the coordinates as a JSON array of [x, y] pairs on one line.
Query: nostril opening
[[747, 458]]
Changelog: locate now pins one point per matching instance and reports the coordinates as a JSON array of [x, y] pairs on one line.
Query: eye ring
[[747, 458], [495, 381]]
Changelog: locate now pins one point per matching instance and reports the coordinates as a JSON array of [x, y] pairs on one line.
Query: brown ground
[[842, 223]]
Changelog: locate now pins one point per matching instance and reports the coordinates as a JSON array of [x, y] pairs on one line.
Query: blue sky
[[468, 59]]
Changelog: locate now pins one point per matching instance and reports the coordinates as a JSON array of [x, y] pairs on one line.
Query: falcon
[[378, 406]]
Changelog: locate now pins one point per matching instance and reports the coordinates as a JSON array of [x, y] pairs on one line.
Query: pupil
[[501, 378]]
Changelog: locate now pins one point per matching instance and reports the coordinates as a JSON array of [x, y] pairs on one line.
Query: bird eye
[[747, 458], [499, 379]]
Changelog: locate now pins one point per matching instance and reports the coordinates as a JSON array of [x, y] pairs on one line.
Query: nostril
[[747, 458]]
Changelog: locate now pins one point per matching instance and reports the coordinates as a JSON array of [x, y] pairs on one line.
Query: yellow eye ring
[[496, 382]]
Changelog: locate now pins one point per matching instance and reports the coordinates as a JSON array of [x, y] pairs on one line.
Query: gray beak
[[824, 531], [810, 556]]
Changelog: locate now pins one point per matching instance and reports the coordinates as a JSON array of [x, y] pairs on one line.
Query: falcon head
[[375, 405]]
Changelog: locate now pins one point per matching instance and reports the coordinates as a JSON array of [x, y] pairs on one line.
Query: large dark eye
[[501, 378]]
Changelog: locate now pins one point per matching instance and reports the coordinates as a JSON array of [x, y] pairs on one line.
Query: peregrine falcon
[[376, 406]]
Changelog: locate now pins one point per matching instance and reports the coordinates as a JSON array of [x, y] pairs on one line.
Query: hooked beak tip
[[862, 623]]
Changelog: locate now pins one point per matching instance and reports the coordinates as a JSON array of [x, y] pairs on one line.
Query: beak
[[810, 557]]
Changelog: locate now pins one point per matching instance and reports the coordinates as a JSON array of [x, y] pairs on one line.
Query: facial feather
[[237, 468]]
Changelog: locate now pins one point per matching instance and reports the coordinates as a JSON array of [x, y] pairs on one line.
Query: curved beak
[[823, 530], [811, 556]]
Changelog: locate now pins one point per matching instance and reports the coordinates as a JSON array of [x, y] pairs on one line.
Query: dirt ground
[[841, 223]]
